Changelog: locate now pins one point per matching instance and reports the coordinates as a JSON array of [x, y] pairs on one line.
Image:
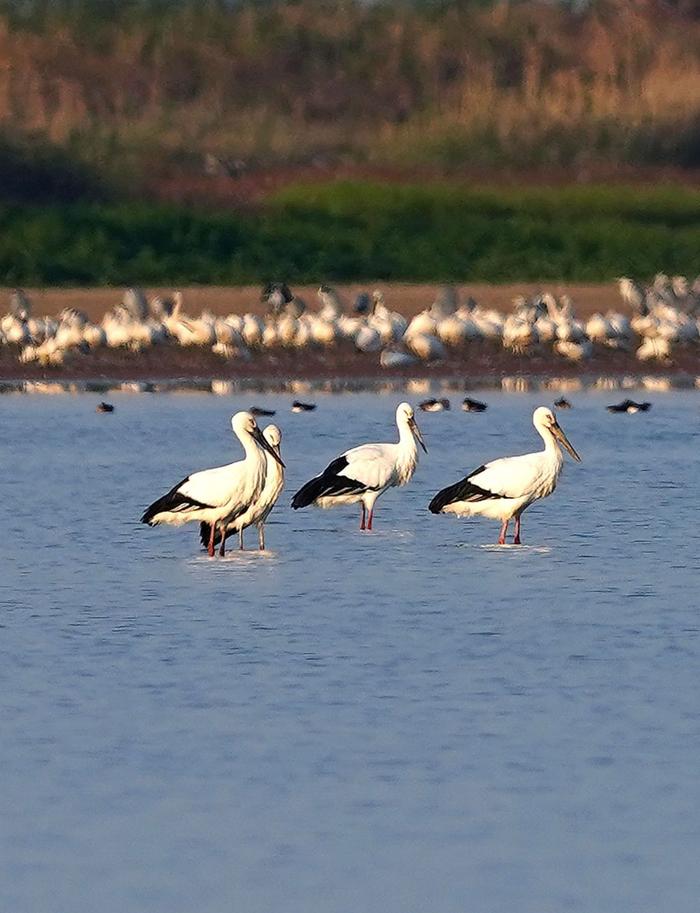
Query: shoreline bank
[[484, 368]]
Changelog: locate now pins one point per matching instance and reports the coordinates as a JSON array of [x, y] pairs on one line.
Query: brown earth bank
[[478, 365], [408, 299]]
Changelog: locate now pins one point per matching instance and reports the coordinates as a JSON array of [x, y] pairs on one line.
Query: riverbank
[[478, 365]]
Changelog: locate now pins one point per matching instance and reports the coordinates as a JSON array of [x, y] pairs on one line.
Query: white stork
[[365, 472], [503, 489], [259, 511], [217, 496]]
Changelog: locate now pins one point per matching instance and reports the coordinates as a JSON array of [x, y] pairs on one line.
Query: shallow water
[[408, 720]]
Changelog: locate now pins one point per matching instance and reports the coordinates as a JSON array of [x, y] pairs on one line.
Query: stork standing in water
[[260, 510], [504, 488], [217, 496], [365, 472]]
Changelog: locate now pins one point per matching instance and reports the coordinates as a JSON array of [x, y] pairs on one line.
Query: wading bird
[[473, 405], [218, 496], [504, 488], [259, 511], [302, 407], [365, 472], [628, 405], [434, 405]]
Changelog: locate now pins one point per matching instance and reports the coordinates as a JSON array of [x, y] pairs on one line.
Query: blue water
[[408, 720]]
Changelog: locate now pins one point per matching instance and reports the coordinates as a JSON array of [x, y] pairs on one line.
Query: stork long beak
[[266, 445], [564, 441], [416, 432]]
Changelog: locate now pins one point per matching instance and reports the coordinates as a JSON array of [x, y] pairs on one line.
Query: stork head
[[545, 421], [406, 416], [244, 424], [273, 436]]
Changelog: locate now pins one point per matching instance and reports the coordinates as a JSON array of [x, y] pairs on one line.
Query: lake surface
[[408, 720]]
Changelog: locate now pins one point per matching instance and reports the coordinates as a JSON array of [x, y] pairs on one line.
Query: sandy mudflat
[[408, 299], [480, 363]]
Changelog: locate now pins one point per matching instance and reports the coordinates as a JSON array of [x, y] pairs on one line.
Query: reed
[[142, 87]]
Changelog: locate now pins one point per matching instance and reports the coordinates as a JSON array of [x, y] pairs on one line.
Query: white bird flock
[[665, 317]]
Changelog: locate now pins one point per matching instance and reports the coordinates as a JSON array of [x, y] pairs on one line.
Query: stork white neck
[[251, 447], [407, 455], [241, 424]]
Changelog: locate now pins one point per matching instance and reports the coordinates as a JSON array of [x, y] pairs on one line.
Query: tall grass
[[360, 231], [140, 83]]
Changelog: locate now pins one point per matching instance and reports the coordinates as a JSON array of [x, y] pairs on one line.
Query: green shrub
[[360, 231]]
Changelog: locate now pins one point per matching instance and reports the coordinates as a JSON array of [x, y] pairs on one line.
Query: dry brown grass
[[523, 84]]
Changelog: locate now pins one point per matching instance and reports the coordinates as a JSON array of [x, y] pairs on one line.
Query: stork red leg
[[210, 547], [362, 522], [516, 540], [504, 530], [369, 521], [222, 547]]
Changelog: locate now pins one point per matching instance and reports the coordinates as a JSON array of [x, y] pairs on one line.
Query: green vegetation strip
[[359, 230]]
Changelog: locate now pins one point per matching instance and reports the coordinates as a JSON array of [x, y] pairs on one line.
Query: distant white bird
[[424, 346], [546, 329], [365, 472], [135, 302], [391, 358], [503, 489], [218, 496], [423, 323], [633, 294], [252, 329], [20, 305], [599, 329], [368, 340], [260, 510], [654, 349], [446, 302], [276, 295], [324, 332], [519, 335], [452, 330], [574, 351], [331, 304]]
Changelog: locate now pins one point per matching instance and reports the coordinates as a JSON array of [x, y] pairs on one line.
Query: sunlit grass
[[360, 230]]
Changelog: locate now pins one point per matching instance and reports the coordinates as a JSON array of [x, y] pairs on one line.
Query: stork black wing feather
[[464, 490], [174, 500], [329, 483]]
